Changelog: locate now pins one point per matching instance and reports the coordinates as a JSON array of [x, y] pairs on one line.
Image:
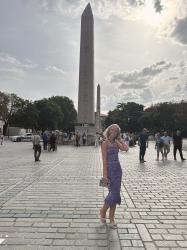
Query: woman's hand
[[122, 145], [105, 179]]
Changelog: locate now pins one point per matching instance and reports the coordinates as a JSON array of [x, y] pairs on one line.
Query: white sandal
[[102, 220], [113, 225]]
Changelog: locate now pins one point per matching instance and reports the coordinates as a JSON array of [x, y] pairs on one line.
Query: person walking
[[112, 172], [53, 139], [159, 146], [84, 139], [166, 139], [36, 146], [1, 138], [45, 140], [177, 142], [77, 139], [143, 143]]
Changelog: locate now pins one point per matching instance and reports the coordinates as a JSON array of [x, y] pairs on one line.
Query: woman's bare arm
[[104, 157], [121, 145]]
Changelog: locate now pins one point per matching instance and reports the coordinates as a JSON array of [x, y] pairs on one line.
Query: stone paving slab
[[53, 204]]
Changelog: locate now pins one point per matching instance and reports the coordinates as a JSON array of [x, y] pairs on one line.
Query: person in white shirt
[[166, 139], [36, 146]]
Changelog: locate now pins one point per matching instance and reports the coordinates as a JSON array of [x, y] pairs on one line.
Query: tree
[[9, 105], [67, 107], [126, 115], [26, 117], [159, 117], [50, 116]]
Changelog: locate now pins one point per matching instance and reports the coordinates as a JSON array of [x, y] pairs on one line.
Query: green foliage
[[57, 112], [10, 104], [69, 113], [162, 116], [50, 116], [126, 115]]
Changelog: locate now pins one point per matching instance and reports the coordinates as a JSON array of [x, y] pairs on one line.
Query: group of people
[[129, 139], [78, 139], [112, 171], [111, 143], [49, 143], [162, 144]]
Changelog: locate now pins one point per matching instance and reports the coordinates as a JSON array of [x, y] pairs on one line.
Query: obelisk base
[[89, 130]]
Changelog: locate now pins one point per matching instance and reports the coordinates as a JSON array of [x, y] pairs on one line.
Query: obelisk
[[86, 69], [98, 111], [86, 109]]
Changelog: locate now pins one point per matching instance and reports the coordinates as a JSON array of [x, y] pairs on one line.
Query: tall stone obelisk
[[86, 69], [98, 111], [86, 114]]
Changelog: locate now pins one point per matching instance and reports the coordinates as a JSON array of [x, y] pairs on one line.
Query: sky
[[140, 49]]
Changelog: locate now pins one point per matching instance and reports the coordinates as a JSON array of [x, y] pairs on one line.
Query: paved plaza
[[54, 204]]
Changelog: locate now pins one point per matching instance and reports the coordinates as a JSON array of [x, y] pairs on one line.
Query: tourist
[[166, 139], [143, 143], [126, 138], [36, 146], [73, 139], [45, 140], [159, 146], [84, 139], [77, 139], [1, 138], [53, 140], [112, 172], [177, 142]]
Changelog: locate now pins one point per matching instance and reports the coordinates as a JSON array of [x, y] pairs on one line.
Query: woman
[[112, 172]]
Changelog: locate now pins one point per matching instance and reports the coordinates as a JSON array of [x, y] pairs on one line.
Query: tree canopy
[[162, 116], [54, 113]]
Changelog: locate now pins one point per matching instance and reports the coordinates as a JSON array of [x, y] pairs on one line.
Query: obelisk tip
[[88, 10]]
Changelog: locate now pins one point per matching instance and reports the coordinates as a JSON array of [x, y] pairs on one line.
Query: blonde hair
[[107, 130]]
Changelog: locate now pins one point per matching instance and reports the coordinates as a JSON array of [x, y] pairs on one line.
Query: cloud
[[132, 86], [173, 78], [55, 69], [157, 5], [180, 31], [139, 79], [102, 9], [11, 73], [136, 2], [162, 13], [10, 60], [159, 82]]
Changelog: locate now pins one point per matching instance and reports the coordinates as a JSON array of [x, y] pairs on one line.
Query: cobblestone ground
[[53, 204]]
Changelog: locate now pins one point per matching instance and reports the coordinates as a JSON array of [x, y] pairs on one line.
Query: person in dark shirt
[[177, 143], [143, 143]]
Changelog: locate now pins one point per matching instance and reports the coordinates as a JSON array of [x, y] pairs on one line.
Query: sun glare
[[151, 17]]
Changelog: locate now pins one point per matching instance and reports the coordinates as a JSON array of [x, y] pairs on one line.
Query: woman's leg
[[112, 213], [157, 153], [103, 210], [161, 150]]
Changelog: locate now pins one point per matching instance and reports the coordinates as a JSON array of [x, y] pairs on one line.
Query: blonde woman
[[112, 172]]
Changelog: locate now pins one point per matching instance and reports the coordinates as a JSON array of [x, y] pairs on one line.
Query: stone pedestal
[[89, 130]]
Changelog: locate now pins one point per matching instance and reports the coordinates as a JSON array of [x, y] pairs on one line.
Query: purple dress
[[114, 176]]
